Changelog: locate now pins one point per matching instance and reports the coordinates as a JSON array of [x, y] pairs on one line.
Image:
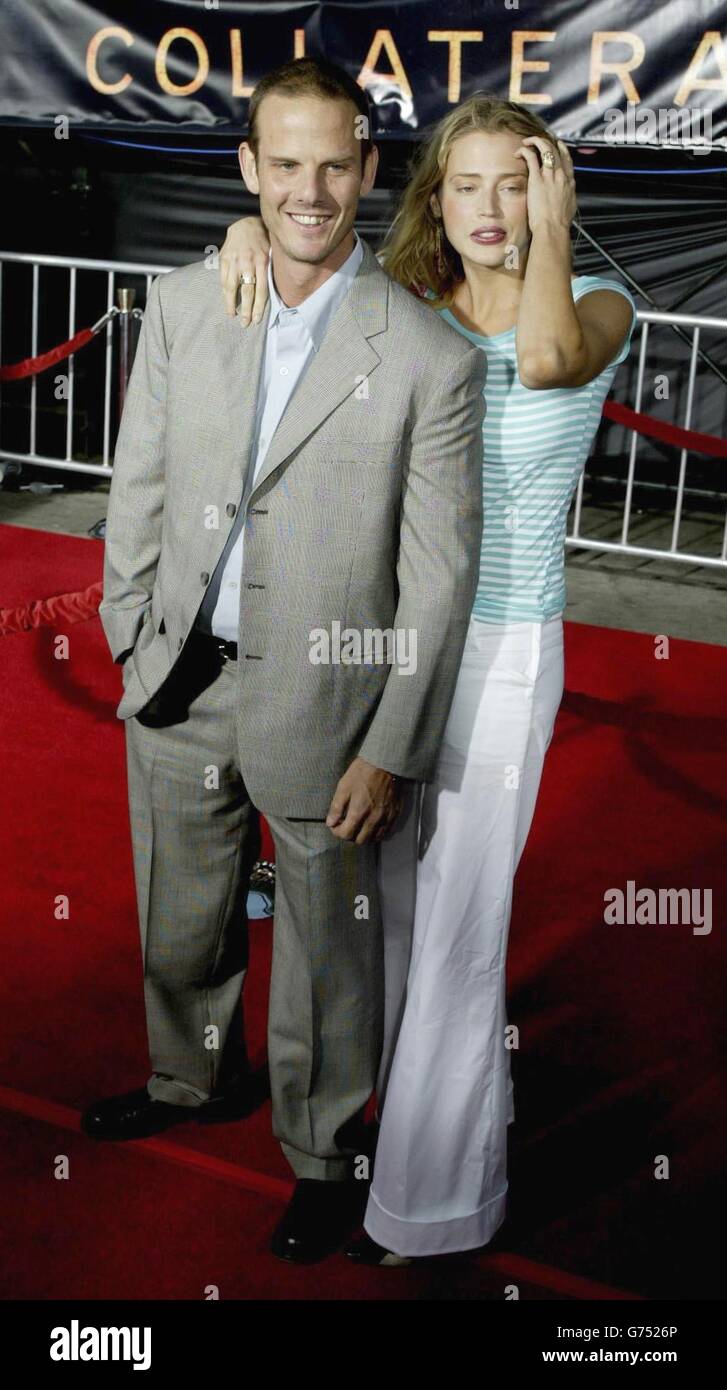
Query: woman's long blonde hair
[[409, 251]]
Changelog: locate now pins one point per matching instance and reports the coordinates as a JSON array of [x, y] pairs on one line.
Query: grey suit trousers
[[196, 837]]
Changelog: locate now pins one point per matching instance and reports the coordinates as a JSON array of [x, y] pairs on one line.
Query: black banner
[[622, 71]]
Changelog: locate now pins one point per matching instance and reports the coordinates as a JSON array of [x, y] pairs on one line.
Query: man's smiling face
[[307, 173]]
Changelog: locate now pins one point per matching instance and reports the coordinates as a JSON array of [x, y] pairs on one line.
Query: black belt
[[227, 650]]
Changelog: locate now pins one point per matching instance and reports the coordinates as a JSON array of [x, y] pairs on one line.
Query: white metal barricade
[[576, 539], [107, 271], [625, 546]]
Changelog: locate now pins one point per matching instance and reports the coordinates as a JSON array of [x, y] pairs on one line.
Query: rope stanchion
[[33, 366]]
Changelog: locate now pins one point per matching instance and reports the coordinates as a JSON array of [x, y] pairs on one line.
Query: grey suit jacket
[[367, 513]]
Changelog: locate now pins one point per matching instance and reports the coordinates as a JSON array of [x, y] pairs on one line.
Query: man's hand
[[365, 804]]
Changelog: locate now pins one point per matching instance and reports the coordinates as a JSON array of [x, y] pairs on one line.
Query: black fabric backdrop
[[149, 64]]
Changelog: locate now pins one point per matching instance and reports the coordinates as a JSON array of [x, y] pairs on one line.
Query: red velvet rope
[[52, 612], [669, 434], [31, 366]]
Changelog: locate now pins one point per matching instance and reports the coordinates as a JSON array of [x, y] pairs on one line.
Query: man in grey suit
[[277, 495]]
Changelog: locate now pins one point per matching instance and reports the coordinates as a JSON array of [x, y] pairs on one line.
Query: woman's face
[[483, 199]]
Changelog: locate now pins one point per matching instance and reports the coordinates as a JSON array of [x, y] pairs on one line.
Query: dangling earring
[[441, 263]]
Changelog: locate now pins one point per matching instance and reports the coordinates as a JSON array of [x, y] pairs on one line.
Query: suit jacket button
[[230, 509], [204, 577]]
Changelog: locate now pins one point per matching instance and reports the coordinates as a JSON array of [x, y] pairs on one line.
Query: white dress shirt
[[293, 335]]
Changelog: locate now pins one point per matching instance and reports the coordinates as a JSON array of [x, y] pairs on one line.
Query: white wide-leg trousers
[[446, 878]]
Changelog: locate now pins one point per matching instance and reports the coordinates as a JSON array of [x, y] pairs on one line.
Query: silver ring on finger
[[248, 279]]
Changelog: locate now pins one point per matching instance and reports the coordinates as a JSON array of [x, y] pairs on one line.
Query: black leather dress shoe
[[135, 1115], [318, 1218]]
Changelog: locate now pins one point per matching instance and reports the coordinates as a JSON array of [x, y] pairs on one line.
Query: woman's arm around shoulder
[[245, 253]]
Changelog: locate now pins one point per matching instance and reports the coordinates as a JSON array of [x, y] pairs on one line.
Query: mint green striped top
[[535, 447]]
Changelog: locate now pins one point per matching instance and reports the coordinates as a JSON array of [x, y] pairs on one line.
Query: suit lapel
[[240, 364], [345, 357]]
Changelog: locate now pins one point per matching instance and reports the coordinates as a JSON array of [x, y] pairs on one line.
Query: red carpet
[[618, 1067]]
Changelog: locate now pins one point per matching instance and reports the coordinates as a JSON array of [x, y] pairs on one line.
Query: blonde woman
[[483, 232]]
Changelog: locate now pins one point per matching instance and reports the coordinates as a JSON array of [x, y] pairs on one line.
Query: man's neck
[[296, 280]]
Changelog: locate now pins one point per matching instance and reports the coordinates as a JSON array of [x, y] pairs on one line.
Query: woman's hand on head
[[551, 191], [245, 253]]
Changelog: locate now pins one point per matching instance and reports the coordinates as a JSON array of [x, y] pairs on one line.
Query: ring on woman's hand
[[247, 279], [549, 159]]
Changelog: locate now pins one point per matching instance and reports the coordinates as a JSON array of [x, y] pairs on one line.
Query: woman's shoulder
[[585, 284]]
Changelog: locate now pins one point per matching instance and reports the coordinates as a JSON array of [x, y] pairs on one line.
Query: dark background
[[661, 217]]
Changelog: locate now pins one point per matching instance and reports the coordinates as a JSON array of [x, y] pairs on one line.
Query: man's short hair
[[311, 77]]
